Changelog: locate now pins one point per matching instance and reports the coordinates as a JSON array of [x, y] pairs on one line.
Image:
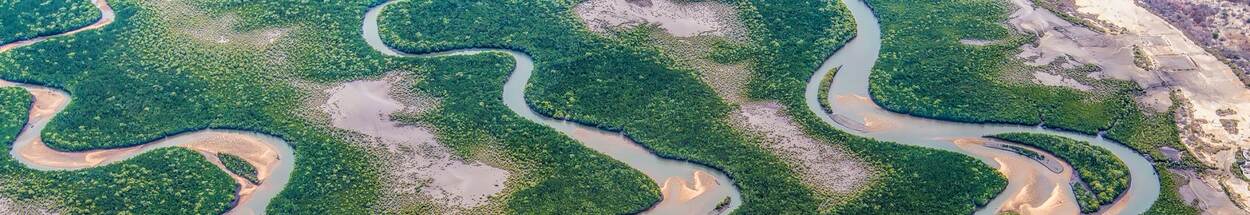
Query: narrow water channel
[[854, 112], [273, 158], [686, 188]]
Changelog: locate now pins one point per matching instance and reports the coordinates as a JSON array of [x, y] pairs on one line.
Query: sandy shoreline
[[1033, 188]]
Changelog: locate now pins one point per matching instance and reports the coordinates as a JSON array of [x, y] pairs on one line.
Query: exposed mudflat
[[1068, 45], [1216, 103], [823, 165], [1209, 199], [421, 163], [679, 18]]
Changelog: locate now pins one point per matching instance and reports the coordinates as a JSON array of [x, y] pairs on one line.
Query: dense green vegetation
[[924, 70], [169, 57], [164, 181], [472, 117], [26, 19], [914, 180], [168, 73], [239, 167], [581, 76], [1105, 175], [624, 85]]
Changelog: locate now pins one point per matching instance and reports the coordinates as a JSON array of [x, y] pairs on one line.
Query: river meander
[[854, 112], [686, 188]]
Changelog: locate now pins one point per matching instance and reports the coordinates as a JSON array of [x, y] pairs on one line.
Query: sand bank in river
[[1033, 188], [872, 123], [259, 151], [679, 18], [823, 165], [106, 17], [418, 162]]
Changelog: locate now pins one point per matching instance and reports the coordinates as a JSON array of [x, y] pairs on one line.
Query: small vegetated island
[[1103, 177]]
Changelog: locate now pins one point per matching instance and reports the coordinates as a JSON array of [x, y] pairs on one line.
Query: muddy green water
[[856, 61]]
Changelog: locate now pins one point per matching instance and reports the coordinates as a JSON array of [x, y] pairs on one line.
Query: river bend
[[854, 112]]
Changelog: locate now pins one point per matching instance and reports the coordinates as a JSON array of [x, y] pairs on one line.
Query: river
[[851, 83], [686, 188]]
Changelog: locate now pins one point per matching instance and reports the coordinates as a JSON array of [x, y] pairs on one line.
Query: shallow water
[[273, 158], [849, 96], [274, 163], [687, 188]]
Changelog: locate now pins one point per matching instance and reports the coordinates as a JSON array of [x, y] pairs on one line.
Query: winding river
[[273, 158], [686, 188], [854, 112]]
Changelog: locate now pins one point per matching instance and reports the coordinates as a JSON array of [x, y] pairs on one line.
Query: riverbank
[[852, 81]]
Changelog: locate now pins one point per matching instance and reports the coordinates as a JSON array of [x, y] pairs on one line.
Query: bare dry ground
[[419, 170], [1213, 100], [1221, 26], [679, 18]]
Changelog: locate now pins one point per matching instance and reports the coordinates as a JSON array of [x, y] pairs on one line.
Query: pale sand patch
[[366, 107], [1076, 45], [1032, 187], [872, 122], [1048, 79], [106, 17], [1207, 85], [1210, 199], [679, 190], [823, 165], [978, 42], [682, 19]]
